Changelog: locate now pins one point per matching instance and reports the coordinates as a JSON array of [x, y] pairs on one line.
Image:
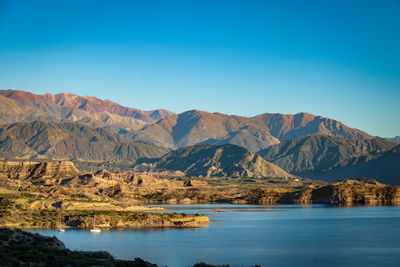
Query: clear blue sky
[[339, 59]]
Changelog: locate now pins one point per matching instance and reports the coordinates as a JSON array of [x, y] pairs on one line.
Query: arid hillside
[[69, 140]]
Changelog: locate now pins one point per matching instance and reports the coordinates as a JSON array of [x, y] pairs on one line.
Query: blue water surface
[[246, 235]]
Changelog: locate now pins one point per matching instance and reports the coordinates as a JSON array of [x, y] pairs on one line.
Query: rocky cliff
[[61, 179], [357, 191], [34, 170], [345, 192]]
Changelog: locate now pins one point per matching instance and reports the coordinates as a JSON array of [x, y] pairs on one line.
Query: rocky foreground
[[20, 248]]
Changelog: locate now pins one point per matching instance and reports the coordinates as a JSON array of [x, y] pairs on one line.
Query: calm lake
[[280, 235]]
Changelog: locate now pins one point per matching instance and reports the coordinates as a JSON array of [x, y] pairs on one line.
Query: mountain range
[[254, 133], [164, 128], [68, 126]]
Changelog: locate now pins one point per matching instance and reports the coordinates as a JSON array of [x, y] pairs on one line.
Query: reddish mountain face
[[87, 103], [254, 133]]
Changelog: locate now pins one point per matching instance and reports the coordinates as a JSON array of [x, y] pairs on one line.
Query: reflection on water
[[277, 235]]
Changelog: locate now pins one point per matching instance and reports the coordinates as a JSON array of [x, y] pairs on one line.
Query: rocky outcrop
[[344, 192], [61, 179], [359, 191], [33, 170]]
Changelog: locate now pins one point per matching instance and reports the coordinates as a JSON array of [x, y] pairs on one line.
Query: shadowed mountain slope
[[254, 133], [315, 155], [395, 139], [211, 160], [385, 168], [66, 106], [69, 140]]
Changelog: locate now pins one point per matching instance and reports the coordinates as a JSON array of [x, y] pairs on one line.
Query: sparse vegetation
[[26, 216]]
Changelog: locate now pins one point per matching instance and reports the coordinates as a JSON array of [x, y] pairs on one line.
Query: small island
[[27, 211]]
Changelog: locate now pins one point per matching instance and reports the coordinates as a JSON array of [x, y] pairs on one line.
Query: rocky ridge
[[33, 170], [211, 160]]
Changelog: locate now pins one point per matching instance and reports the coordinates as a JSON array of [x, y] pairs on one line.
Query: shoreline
[[84, 222]]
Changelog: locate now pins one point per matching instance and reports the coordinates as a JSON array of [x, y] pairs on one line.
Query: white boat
[[95, 229], [61, 229]]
